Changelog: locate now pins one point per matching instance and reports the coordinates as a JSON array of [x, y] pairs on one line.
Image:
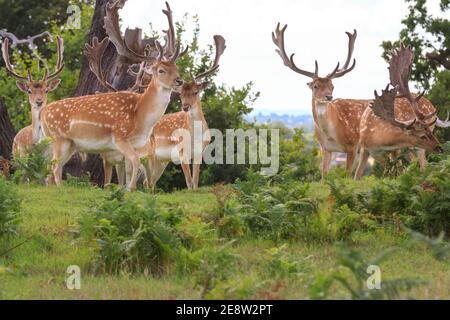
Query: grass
[[37, 269]]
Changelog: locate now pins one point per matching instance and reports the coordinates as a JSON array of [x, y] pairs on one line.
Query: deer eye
[[29, 91], [423, 137], [161, 71], [196, 93]]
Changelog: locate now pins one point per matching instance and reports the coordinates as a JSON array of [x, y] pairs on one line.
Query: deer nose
[[39, 103], [329, 98], [186, 107], [179, 82], [439, 149]]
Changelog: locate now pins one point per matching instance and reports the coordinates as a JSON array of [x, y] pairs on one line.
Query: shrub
[[35, 166], [280, 264], [351, 273], [277, 211], [9, 208], [131, 237], [210, 265]]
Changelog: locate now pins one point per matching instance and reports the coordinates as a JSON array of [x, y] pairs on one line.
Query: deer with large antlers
[[337, 121], [113, 122], [385, 127], [183, 136], [37, 91], [138, 68]]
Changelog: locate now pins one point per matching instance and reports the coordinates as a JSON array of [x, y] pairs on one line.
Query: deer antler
[[94, 54], [384, 107], [220, 49], [112, 29], [278, 40], [338, 73], [30, 42], [400, 72], [60, 61], [9, 67]]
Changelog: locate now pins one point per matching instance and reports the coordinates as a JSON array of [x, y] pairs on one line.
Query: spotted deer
[[183, 136], [94, 53], [120, 121], [386, 127], [336, 122], [37, 91]]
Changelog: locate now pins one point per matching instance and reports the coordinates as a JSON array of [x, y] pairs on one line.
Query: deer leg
[[363, 158], [155, 170], [421, 154], [195, 175], [62, 152], [107, 171], [120, 170], [326, 162], [131, 155], [351, 156]]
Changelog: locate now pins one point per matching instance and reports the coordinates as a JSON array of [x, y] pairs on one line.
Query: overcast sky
[[316, 31]]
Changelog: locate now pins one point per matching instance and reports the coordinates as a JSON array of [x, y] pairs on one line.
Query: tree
[[27, 17], [430, 38]]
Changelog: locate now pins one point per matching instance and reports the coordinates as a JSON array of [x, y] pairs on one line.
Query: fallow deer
[[386, 127], [37, 91], [336, 122], [119, 121], [94, 53], [183, 136]]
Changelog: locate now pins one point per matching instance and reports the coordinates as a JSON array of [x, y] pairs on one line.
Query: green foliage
[[30, 17], [237, 288], [425, 33], [277, 211], [74, 40], [299, 157], [352, 274], [35, 166], [10, 203], [420, 200], [210, 265], [280, 264], [131, 237]]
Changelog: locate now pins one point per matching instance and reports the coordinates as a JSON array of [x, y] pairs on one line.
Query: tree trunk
[[88, 84], [7, 132]]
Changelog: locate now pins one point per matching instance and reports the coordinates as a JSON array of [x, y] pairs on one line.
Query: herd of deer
[[125, 127]]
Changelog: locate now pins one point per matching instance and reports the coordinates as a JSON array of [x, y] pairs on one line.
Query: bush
[[420, 200], [35, 166], [9, 208], [210, 265], [280, 264], [351, 273], [276, 211], [131, 237]]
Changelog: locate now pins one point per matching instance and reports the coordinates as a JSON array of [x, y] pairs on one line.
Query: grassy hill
[[263, 269]]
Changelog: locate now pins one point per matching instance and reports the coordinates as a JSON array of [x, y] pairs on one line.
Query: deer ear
[[22, 85], [310, 85], [204, 85], [53, 85]]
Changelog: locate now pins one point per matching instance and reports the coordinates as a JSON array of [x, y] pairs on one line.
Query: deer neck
[[196, 115], [36, 124], [152, 105], [320, 110]]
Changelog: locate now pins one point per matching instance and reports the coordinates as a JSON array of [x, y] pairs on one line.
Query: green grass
[[37, 269]]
